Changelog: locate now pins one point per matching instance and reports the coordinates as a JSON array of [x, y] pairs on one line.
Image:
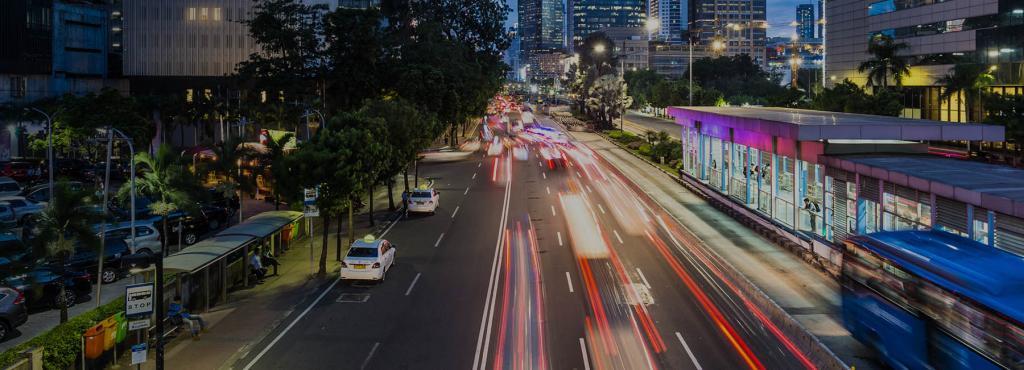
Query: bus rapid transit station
[[929, 249], [824, 176]]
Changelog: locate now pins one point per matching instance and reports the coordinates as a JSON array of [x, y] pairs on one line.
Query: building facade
[[672, 60], [730, 27], [939, 34], [805, 21], [541, 33], [590, 16], [671, 16]]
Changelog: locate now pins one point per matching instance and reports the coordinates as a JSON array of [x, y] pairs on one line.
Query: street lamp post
[[49, 147], [106, 186], [690, 70]]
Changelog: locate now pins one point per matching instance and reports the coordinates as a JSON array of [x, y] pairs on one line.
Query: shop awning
[[204, 253]]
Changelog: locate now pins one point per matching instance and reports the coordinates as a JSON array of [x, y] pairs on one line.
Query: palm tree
[[969, 81], [226, 167], [166, 179], [275, 155], [885, 62], [65, 222]]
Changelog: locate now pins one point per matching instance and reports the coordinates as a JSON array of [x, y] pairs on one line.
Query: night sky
[[780, 14]]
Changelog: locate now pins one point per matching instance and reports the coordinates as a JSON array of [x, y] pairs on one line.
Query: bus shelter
[[206, 272]]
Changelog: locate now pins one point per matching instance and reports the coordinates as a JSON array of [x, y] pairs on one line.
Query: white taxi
[[368, 259], [424, 200]]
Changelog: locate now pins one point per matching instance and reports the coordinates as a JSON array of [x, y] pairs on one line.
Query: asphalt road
[[531, 266]]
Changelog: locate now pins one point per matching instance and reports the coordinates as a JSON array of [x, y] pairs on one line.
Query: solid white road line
[[474, 176], [544, 175], [569, 280], [548, 189], [601, 208], [304, 312], [688, 352], [586, 358], [438, 242], [456, 211], [479, 164], [413, 284], [539, 165], [370, 356], [643, 278], [559, 233], [466, 192], [553, 210], [578, 174], [487, 316], [616, 232], [589, 190]]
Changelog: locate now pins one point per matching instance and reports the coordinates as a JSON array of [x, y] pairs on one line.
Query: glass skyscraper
[[672, 19], [590, 16], [805, 21]]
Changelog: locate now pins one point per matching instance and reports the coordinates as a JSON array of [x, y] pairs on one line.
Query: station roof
[[811, 125], [231, 239], [995, 187], [263, 224]]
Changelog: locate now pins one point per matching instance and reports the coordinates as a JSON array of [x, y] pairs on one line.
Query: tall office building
[[672, 19], [541, 35], [590, 16], [821, 17], [730, 27], [939, 34], [805, 21]]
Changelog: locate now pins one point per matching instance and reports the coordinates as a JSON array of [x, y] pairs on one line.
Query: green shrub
[[635, 145], [670, 149], [645, 149], [62, 345]]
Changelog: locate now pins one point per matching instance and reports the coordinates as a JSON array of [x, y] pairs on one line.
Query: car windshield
[[421, 194], [362, 252]]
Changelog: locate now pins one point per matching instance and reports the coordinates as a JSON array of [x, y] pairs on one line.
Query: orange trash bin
[[94, 342]]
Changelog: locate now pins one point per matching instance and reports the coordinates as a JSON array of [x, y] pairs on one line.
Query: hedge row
[[62, 345], [671, 150]]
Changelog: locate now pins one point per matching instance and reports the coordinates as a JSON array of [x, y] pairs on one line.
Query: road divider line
[[487, 316], [370, 355], [466, 191], [553, 210], [559, 233], [586, 358], [539, 165], [601, 208], [616, 232], [643, 278], [474, 176], [544, 175], [456, 211], [548, 189], [578, 174], [569, 280], [479, 164], [589, 190], [688, 352], [438, 242], [413, 284]]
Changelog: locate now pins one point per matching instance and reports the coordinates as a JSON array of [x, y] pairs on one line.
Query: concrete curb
[[818, 352]]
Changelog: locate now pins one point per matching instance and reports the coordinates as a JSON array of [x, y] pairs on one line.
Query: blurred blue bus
[[933, 300]]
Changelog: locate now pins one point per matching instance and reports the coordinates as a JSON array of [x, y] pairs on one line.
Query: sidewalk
[[805, 293], [251, 314]]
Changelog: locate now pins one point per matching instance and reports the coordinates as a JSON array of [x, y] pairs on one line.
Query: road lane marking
[[589, 190], [414, 280], [578, 174], [569, 280], [643, 278], [548, 189], [370, 356], [553, 210], [483, 339], [539, 165], [304, 312], [474, 176], [586, 358], [544, 175], [456, 211], [438, 242], [616, 232], [479, 164], [559, 233], [601, 208], [688, 352], [466, 192]]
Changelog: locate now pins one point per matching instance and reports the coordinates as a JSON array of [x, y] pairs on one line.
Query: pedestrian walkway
[[807, 294], [252, 313]]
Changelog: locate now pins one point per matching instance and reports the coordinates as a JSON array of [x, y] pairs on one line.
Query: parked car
[[24, 208], [41, 286], [8, 219], [12, 310], [14, 254], [23, 171], [9, 187], [87, 259], [196, 224], [41, 192], [147, 237], [71, 168]]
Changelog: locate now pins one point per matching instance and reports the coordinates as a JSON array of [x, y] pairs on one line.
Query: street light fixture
[[599, 48], [49, 145]]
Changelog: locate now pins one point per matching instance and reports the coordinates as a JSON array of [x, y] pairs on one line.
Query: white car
[[23, 207], [520, 153], [424, 200], [368, 259], [147, 237], [9, 187]]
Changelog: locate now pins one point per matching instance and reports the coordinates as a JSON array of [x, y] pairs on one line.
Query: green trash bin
[[122, 327]]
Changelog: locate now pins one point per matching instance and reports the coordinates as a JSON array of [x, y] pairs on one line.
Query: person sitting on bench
[[176, 311]]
